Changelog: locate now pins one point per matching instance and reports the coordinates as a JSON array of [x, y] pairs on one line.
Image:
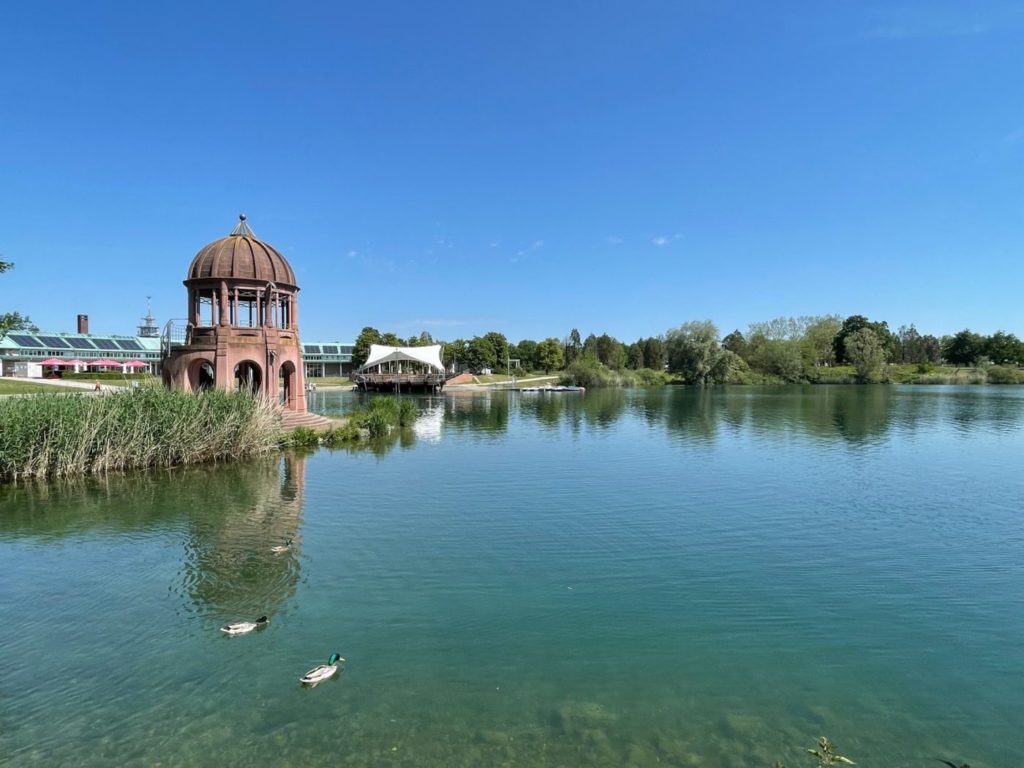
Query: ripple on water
[[697, 580]]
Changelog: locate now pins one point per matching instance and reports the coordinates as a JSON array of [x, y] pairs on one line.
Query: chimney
[[83, 323]]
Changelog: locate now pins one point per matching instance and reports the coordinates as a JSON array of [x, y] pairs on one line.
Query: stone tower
[[243, 322]]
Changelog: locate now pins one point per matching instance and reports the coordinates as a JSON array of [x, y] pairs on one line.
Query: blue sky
[[522, 167]]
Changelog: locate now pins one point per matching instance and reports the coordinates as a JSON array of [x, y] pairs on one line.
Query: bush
[[648, 377], [303, 436], [586, 372], [1002, 374], [384, 414]]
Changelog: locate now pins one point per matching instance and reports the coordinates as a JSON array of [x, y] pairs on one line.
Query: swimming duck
[[322, 672], [243, 627], [282, 547]]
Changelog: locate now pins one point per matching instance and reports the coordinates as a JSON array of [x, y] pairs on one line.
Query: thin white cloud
[[371, 261], [613, 240], [904, 32], [1014, 137], [932, 20], [436, 322], [660, 240], [535, 246]]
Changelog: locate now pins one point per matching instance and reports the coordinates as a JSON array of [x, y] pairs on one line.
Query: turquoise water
[[672, 577]]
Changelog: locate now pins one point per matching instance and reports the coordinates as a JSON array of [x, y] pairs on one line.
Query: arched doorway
[[288, 383], [201, 375], [249, 377]]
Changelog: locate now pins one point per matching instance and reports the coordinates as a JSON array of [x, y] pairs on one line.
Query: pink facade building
[[243, 322]]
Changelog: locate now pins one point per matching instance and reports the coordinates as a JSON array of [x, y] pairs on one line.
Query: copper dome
[[241, 256]]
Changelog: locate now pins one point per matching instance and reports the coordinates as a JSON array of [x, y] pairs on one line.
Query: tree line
[[788, 349]]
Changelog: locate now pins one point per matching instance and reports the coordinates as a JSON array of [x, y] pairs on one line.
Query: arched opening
[[248, 377], [201, 376], [289, 382]]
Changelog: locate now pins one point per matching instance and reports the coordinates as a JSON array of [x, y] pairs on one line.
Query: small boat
[[244, 627], [322, 672], [559, 388]]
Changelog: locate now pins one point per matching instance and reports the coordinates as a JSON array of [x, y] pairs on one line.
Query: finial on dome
[[242, 229]]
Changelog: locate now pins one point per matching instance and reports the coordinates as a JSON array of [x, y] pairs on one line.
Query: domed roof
[[241, 256]]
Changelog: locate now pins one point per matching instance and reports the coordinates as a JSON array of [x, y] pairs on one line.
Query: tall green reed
[[59, 435]]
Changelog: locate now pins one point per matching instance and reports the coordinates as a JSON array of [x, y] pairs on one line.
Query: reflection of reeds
[[54, 435]]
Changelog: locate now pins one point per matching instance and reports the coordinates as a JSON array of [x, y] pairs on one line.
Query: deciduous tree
[[654, 353], [819, 334], [964, 348], [480, 354], [526, 351], [694, 353], [361, 351], [865, 353], [500, 345], [1003, 348], [550, 354], [854, 323]]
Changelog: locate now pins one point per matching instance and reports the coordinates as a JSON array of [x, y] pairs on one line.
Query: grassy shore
[[22, 387], [60, 435], [379, 419], [914, 374], [329, 381]]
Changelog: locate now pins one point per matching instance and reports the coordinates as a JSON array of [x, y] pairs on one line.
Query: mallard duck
[[322, 672], [242, 627], [282, 547]]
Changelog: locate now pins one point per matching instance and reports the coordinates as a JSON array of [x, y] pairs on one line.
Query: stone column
[[224, 319]]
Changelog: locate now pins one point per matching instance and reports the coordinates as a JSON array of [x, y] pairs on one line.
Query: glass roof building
[[328, 358], [20, 348]]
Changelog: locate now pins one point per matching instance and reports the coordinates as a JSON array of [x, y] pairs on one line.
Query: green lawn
[[498, 378], [909, 374], [151, 381], [329, 381], [23, 387]]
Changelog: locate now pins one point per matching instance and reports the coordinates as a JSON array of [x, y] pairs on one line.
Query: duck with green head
[[322, 672]]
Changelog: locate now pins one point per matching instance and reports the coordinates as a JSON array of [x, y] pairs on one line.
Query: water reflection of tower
[[229, 569]]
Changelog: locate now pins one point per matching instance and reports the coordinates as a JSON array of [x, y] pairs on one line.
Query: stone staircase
[[291, 420]]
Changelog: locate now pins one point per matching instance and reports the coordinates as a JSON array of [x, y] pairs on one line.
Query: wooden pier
[[399, 382]]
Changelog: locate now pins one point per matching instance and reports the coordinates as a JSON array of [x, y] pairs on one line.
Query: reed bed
[[60, 435], [382, 417]]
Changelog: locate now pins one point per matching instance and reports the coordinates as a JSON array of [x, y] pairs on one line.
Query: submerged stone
[[574, 717], [494, 738]]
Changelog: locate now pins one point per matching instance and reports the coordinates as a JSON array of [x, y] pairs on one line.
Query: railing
[[399, 379], [173, 335]]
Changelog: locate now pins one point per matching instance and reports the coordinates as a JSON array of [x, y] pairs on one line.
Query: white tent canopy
[[381, 354]]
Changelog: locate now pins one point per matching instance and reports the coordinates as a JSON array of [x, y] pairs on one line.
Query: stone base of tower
[[265, 361]]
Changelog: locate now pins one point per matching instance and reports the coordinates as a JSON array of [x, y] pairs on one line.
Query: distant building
[[328, 358], [22, 353]]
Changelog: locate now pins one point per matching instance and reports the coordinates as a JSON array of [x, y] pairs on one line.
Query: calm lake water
[[667, 577]]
